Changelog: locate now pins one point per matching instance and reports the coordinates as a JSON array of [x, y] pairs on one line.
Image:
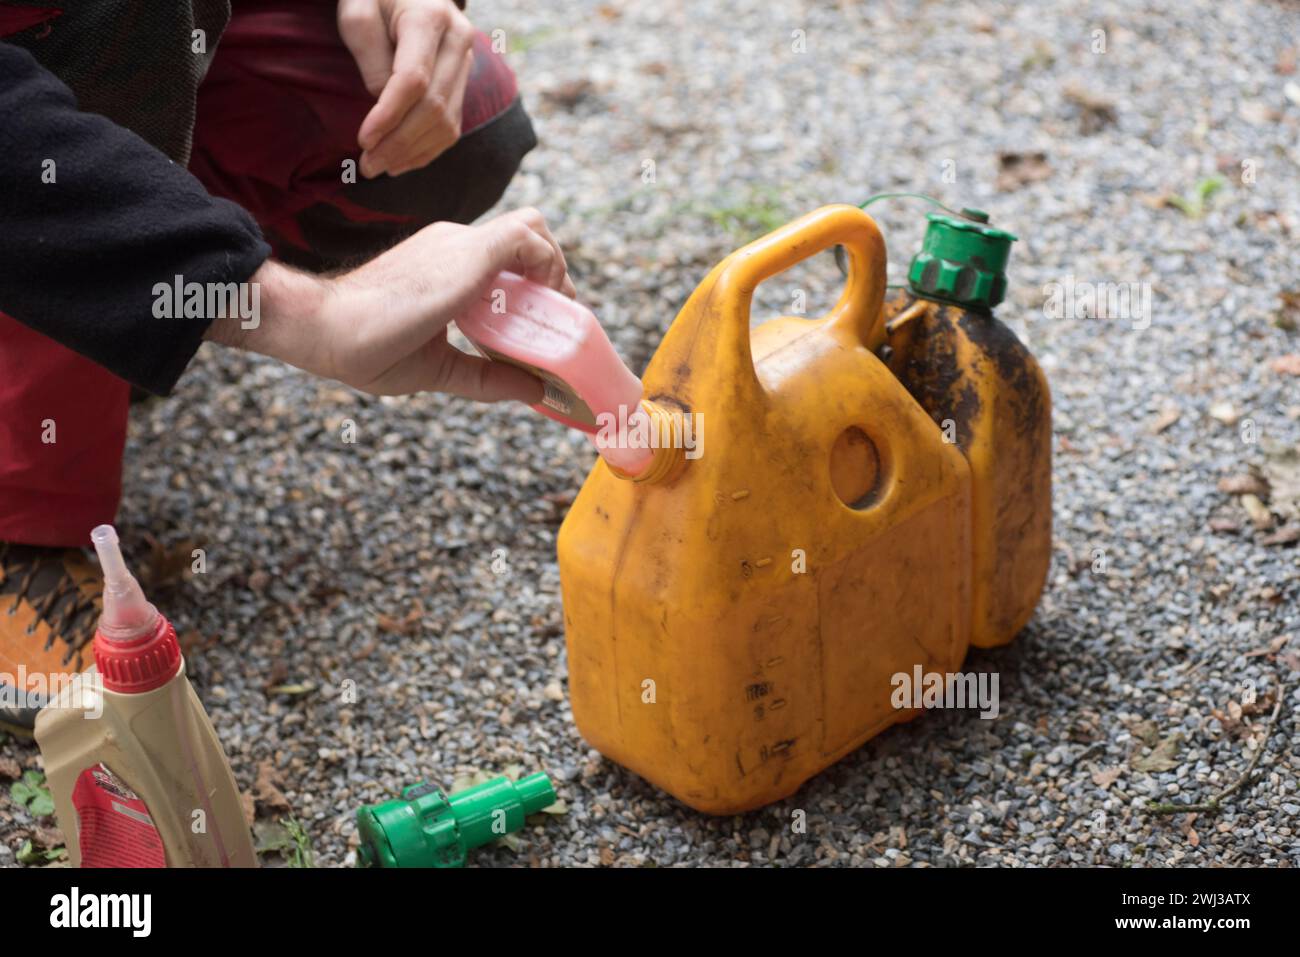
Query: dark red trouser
[[278, 115]]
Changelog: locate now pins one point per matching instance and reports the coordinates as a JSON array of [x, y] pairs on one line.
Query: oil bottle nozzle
[[667, 454], [127, 613], [426, 828]]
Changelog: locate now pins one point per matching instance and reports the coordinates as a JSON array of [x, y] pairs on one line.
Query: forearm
[[381, 328], [95, 222], [289, 321]]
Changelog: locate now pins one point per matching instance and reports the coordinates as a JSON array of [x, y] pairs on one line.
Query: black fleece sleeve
[[80, 254]]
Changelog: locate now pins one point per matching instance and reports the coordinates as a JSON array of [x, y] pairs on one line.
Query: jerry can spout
[[668, 453]]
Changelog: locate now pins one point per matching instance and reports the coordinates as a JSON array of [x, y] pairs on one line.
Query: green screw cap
[[426, 828], [963, 260]]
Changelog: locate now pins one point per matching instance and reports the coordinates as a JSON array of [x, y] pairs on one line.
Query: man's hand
[[415, 56], [382, 328]]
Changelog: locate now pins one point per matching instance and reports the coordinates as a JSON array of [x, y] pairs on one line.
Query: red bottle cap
[[139, 664]]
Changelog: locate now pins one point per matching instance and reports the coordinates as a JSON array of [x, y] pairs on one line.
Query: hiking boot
[[50, 600]]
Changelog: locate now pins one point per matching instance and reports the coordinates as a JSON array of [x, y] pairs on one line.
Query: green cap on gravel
[[426, 828], [963, 260]]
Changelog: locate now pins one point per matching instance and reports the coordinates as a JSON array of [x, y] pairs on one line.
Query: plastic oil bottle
[[587, 386], [137, 773]]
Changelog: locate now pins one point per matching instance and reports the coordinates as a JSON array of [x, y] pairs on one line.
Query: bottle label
[[559, 396], [114, 828]]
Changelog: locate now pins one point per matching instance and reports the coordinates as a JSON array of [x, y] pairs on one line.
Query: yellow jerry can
[[735, 619]]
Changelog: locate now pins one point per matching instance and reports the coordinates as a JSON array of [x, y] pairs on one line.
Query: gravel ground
[[1170, 599]]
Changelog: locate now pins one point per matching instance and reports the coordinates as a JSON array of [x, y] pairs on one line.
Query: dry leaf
[[1105, 777], [1233, 716], [1148, 732], [1286, 365], [10, 769], [897, 836], [47, 838], [569, 95], [192, 642], [408, 625], [270, 836], [1262, 704], [1020, 169], [510, 841], [1095, 112], [1283, 536], [1163, 757], [1273, 648], [166, 566], [1259, 514], [1287, 316], [267, 788], [1165, 419], [1229, 723], [468, 780], [279, 672], [1243, 484], [1282, 472], [250, 808]]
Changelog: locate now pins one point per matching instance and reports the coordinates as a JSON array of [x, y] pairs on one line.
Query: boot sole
[[17, 727]]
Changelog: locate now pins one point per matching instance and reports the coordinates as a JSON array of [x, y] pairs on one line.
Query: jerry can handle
[[855, 316]]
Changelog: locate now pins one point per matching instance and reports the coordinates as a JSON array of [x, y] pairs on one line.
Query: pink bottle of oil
[[587, 386]]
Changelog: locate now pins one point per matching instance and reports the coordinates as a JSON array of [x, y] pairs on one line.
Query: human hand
[[382, 328], [415, 57]]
